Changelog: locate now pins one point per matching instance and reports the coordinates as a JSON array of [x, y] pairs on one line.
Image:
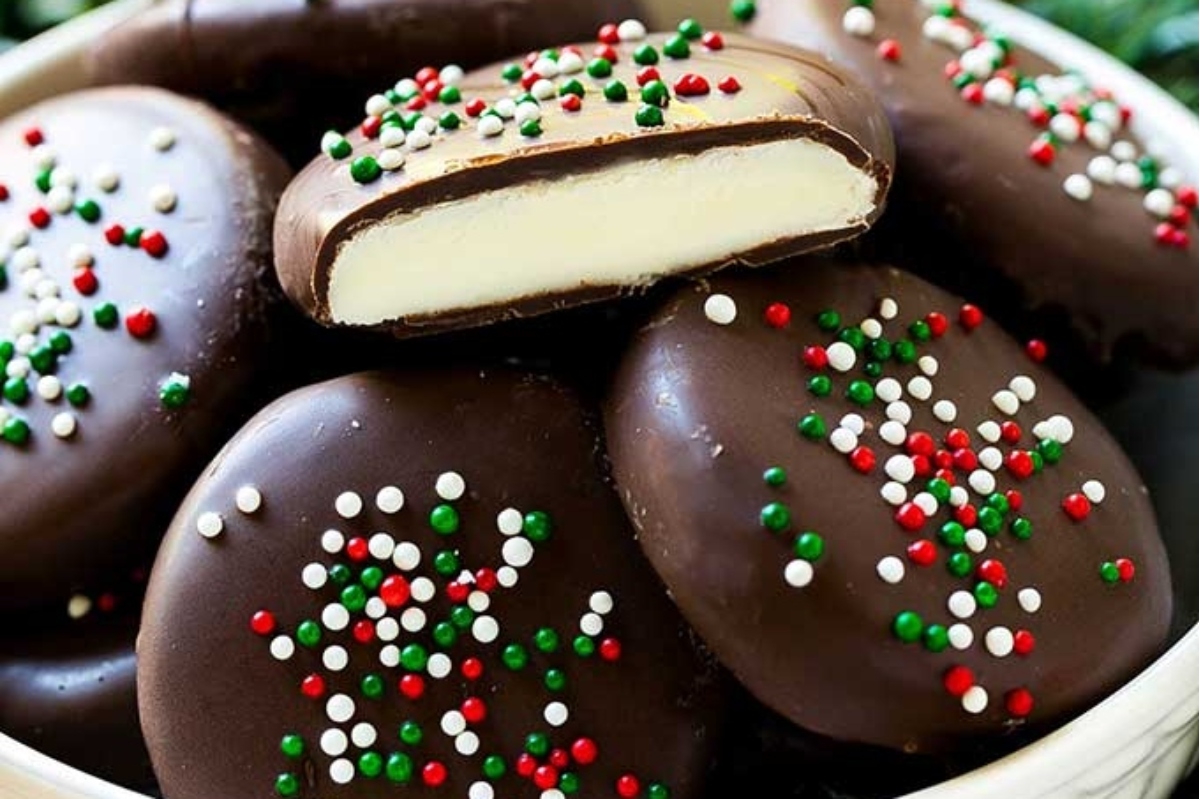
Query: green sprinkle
[[413, 657], [371, 686], [444, 634], [775, 516], [880, 349], [908, 626], [743, 10], [615, 92], [462, 617], [599, 68], [952, 534], [998, 502], [526, 97], [399, 767], [16, 390], [584, 647], [287, 785], [959, 564], [449, 121], [15, 431], [986, 595], [809, 546], [446, 563], [531, 128], [854, 337], [555, 680], [1021, 528], [133, 236], [904, 351], [7, 350], [173, 393], [365, 169], [61, 342], [444, 519], [658, 791], [568, 782], [860, 392], [1051, 450], [829, 320], [775, 476], [820, 385], [410, 733], [42, 358], [409, 121], [511, 73], [690, 29], [292, 745], [1039, 462], [873, 369], [493, 767], [88, 210], [449, 95], [935, 638], [649, 116], [78, 395], [677, 47], [370, 764], [812, 426], [572, 86], [354, 598], [537, 744], [990, 520], [656, 93], [105, 315], [546, 640], [1109, 572], [645, 55], [536, 526], [42, 181], [939, 488], [371, 578], [514, 657], [308, 634], [339, 574]]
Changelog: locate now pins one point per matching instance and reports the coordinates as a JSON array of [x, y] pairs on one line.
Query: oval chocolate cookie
[[283, 66], [1036, 171], [887, 520], [418, 583], [133, 295], [648, 155]]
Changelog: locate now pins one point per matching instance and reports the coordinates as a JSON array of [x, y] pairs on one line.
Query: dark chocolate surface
[[292, 68], [785, 93], [215, 704], [698, 411], [965, 175], [80, 506]]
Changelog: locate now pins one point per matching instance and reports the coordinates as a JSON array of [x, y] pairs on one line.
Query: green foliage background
[[1157, 37]]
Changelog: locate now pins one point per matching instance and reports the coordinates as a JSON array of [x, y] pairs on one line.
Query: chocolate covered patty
[[648, 154], [135, 257], [1033, 168], [418, 583], [290, 67], [892, 525]]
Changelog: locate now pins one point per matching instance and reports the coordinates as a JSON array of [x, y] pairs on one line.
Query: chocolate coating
[[70, 692], [291, 68], [85, 504], [699, 410], [965, 174], [785, 94], [215, 704]]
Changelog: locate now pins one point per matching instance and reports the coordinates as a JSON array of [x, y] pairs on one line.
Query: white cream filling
[[623, 225]]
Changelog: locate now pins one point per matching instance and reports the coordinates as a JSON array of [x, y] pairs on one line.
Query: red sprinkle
[[426, 74], [951, 70], [475, 107], [1076, 506], [922, 552], [363, 631], [313, 686], [943, 460], [815, 358], [1019, 464], [559, 758], [729, 85], [965, 460], [371, 126], [545, 777], [1015, 499], [1187, 196], [394, 591], [412, 686], [85, 281], [1179, 215], [957, 438], [106, 602], [713, 40], [920, 443], [862, 459], [433, 774], [431, 89], [910, 516], [485, 580], [1038, 116], [3, 192], [777, 315], [1010, 432], [938, 324], [154, 243], [610, 650], [958, 680], [570, 102], [947, 475], [416, 103], [628, 786], [528, 78], [473, 709], [39, 218], [33, 137], [1042, 152], [607, 52], [647, 74], [889, 50], [921, 465], [584, 751], [973, 93], [525, 765], [1036, 350], [993, 571], [970, 317], [966, 515], [357, 549], [458, 592], [472, 669], [141, 322], [263, 622], [1019, 702], [114, 235], [691, 85], [1023, 642], [1125, 569], [608, 34]]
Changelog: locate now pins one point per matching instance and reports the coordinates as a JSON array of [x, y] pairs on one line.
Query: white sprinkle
[[1065, 127], [1064, 429], [854, 423], [333, 742], [720, 309], [798, 573], [543, 89], [335, 617], [517, 552], [991, 458], [377, 105], [210, 524], [46, 310], [387, 629], [1107, 113], [1078, 187], [841, 356], [975, 540], [506, 107], [1094, 491], [890, 569], [999, 91], [485, 629], [332, 541], [527, 112], [413, 620], [479, 601], [418, 139], [945, 411], [977, 62], [1024, 387], [481, 790], [466, 744], [893, 493], [392, 158], [25, 258], [17, 367], [1030, 600], [926, 502], [999, 641], [1159, 202], [591, 624], [569, 63], [389, 656], [67, 314], [18, 236], [888, 389], [961, 605], [314, 576], [381, 546], [163, 198], [106, 178], [375, 608], [601, 602], [935, 27], [335, 658], [556, 714], [162, 139], [858, 21], [961, 636], [453, 723], [389, 500], [406, 556], [339, 708], [510, 521], [282, 647], [843, 440], [888, 308], [80, 255], [1098, 135], [871, 328], [631, 30], [958, 496], [928, 365], [899, 411], [553, 793], [60, 199], [893, 433], [363, 735], [450, 486], [329, 140], [341, 771], [422, 589], [49, 387], [63, 424], [489, 126], [1170, 178], [1102, 169], [982, 482], [348, 504], [989, 431], [900, 468], [391, 138], [1123, 150], [1006, 402], [920, 388], [1128, 175], [507, 576], [450, 75], [78, 606], [44, 156]]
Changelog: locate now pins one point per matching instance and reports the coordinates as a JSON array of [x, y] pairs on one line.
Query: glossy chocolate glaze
[[698, 411], [785, 93], [214, 702], [293, 69], [78, 508], [966, 180]]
